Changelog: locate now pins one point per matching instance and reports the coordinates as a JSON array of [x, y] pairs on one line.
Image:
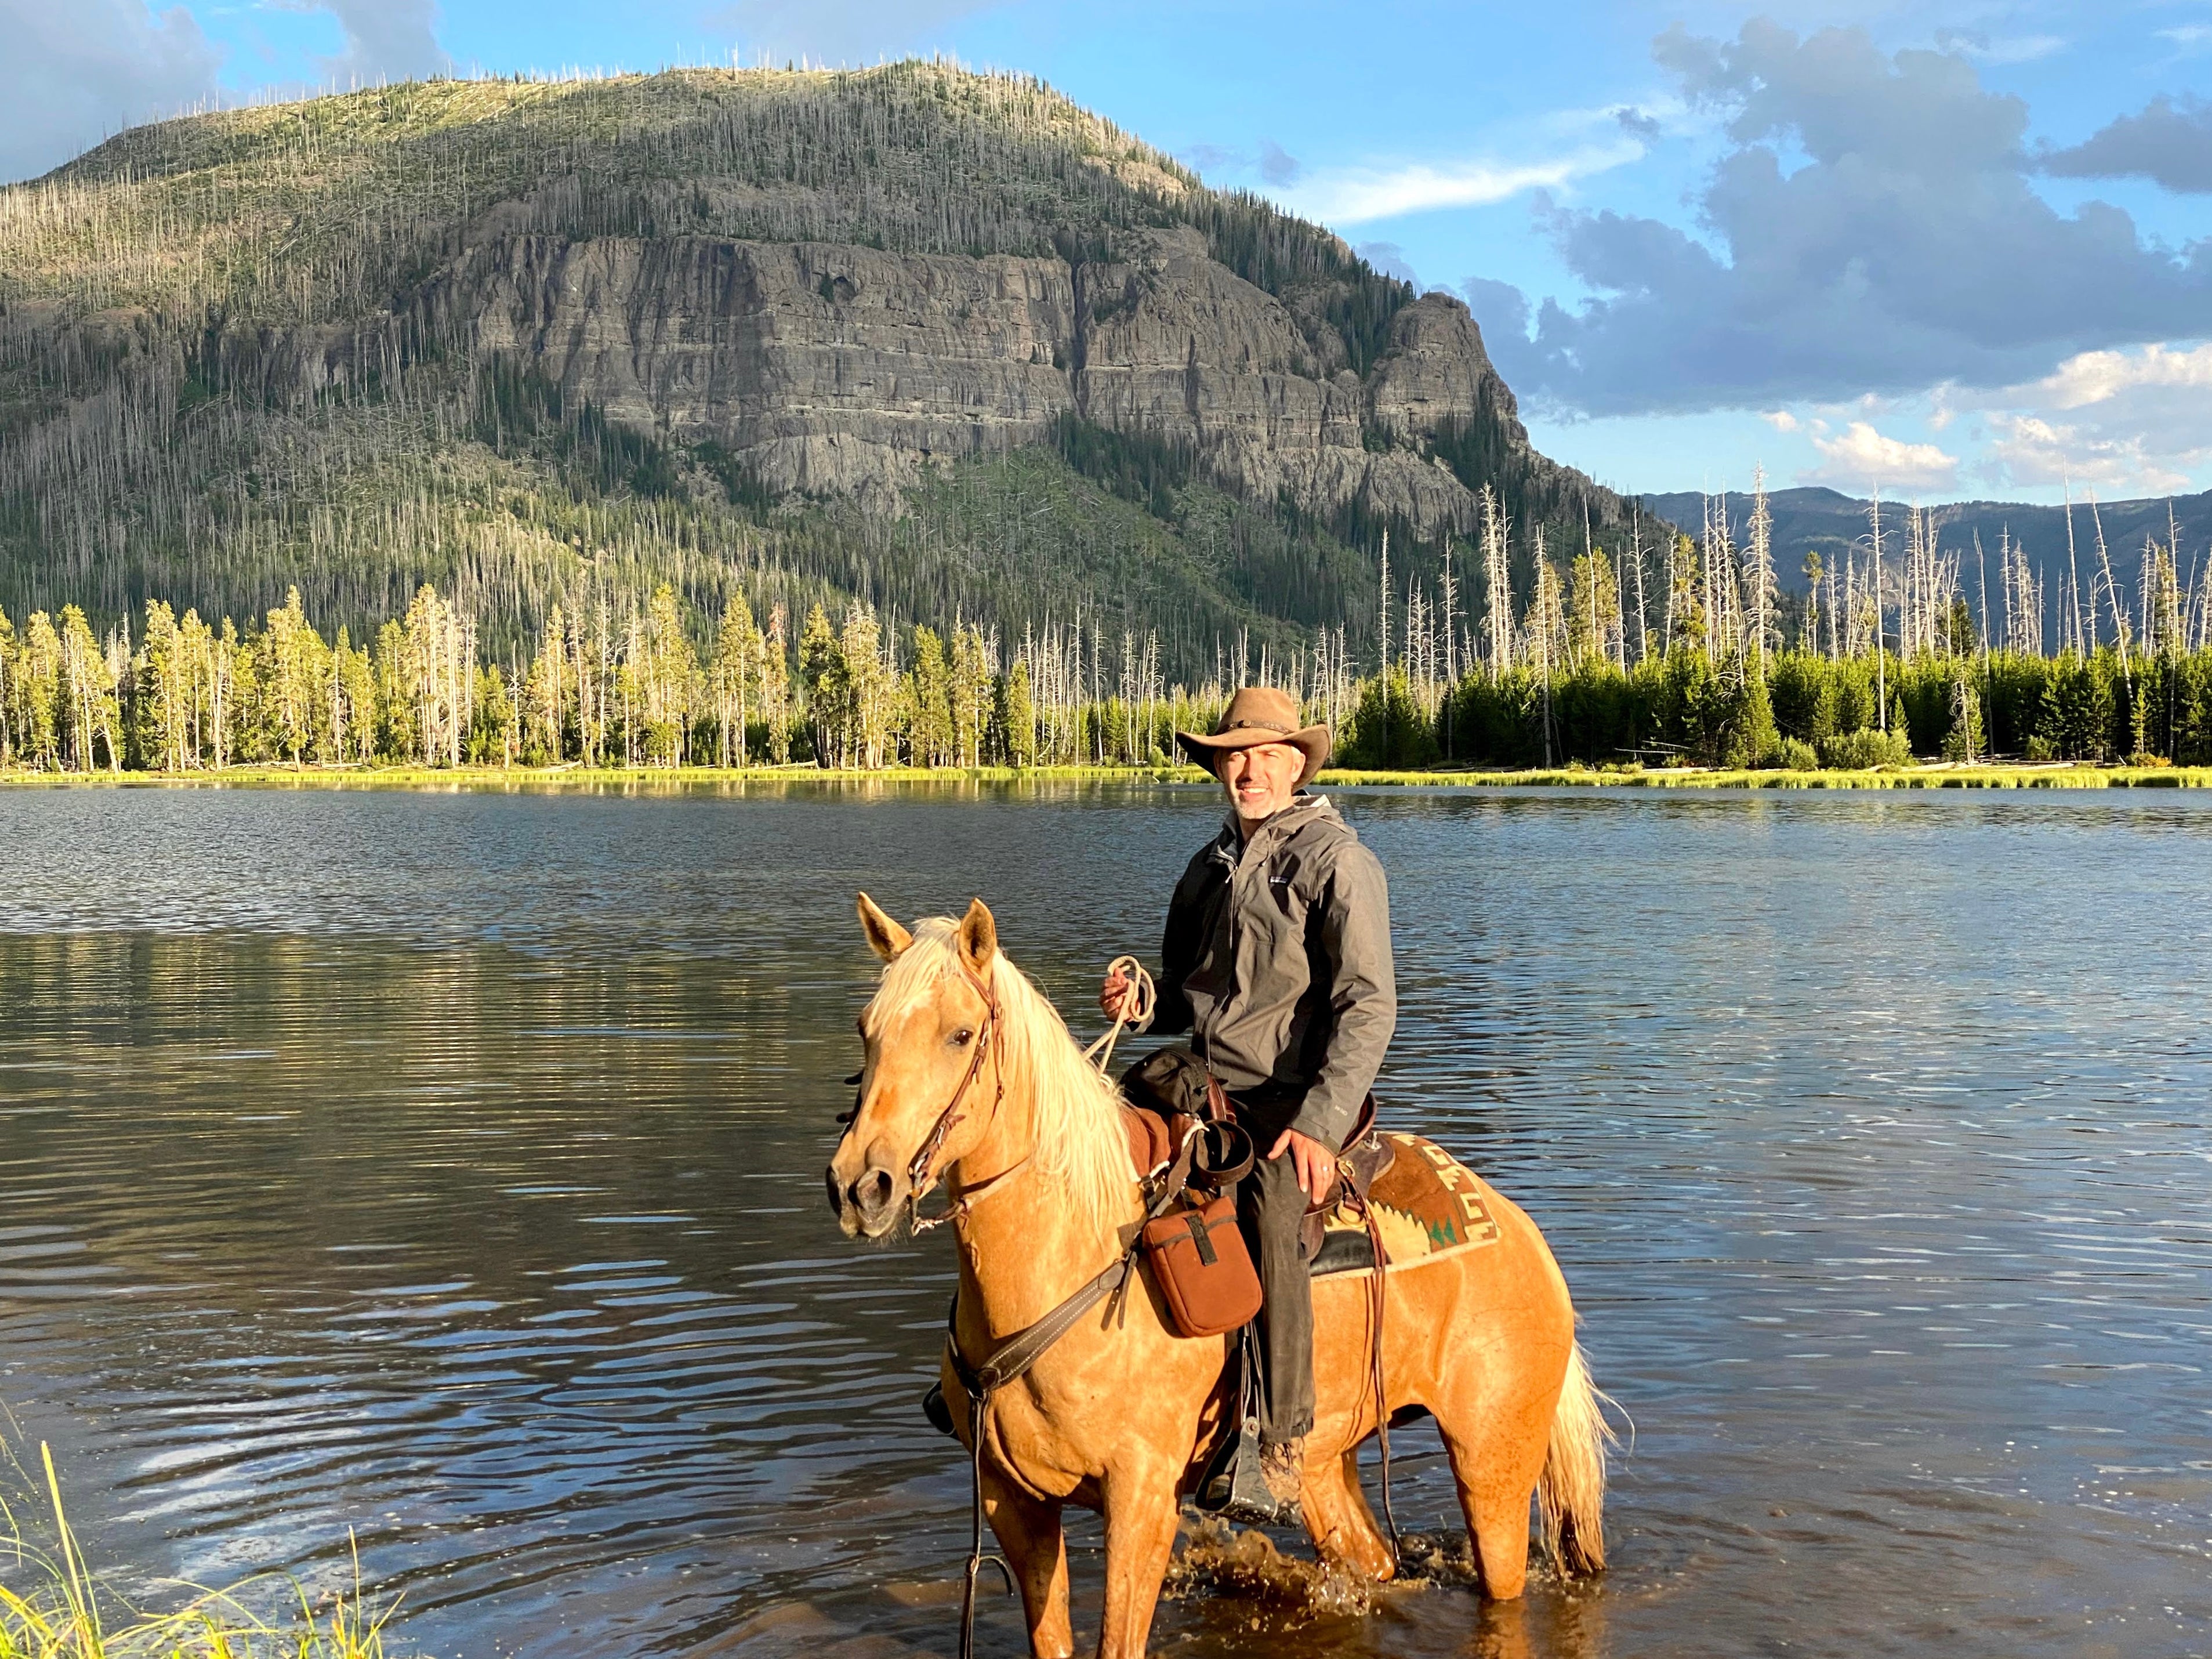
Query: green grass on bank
[[53, 1607], [599, 777], [1931, 776], [1935, 777]]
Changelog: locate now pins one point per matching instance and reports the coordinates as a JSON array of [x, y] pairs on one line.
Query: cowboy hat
[[1258, 714]]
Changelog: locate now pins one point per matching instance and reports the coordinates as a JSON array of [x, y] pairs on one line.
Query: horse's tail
[[1571, 1492]]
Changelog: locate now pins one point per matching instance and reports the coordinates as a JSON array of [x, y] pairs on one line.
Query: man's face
[[1260, 780]]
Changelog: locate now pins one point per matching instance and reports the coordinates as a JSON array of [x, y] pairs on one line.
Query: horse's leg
[[1495, 1460], [1338, 1520], [1140, 1528], [1029, 1532]]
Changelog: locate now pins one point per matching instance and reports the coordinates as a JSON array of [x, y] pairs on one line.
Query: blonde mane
[[1075, 1113]]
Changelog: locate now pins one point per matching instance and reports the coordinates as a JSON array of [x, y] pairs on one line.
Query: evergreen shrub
[[1865, 749]]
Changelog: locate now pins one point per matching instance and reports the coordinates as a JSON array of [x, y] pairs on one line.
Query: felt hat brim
[[1207, 748]]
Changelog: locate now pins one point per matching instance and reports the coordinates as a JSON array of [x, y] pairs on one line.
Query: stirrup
[[1233, 1489]]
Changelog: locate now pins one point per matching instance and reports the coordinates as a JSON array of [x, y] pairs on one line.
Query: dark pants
[[1269, 1207]]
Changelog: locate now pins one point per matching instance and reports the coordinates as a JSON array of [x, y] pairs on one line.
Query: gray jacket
[[1277, 959]]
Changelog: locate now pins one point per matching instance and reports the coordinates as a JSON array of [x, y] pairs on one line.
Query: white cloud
[[2097, 377], [71, 75], [1277, 165], [1390, 259], [1352, 195], [1872, 228], [1274, 164], [1655, 114], [1864, 458], [1781, 420], [2027, 450], [2189, 37], [2137, 420], [386, 40]]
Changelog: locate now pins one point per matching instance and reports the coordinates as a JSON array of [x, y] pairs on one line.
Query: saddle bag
[[1191, 1240], [1174, 1083], [1197, 1256]]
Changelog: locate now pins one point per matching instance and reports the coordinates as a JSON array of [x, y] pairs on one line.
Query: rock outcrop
[[831, 369]]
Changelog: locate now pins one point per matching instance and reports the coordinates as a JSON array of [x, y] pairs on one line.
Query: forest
[[1683, 654]]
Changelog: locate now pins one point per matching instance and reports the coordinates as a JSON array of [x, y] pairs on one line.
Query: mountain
[[1831, 524], [941, 340]]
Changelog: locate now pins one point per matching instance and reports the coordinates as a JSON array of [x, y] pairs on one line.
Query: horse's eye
[[962, 1037]]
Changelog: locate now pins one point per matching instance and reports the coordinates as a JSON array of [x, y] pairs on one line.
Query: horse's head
[[928, 1086]]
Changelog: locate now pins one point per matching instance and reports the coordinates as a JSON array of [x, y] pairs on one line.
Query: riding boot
[[1283, 1468]]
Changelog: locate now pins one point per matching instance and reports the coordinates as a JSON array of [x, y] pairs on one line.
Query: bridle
[[921, 1178]]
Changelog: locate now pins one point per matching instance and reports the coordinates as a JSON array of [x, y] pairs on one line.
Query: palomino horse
[[1117, 1415]]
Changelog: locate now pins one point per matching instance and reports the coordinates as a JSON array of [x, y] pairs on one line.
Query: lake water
[[445, 1167]]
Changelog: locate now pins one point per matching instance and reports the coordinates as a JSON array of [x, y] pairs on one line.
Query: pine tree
[[970, 695], [871, 687], [10, 719], [491, 730], [292, 675], [353, 698], [39, 666], [929, 701], [1964, 742], [733, 677], [1016, 718], [164, 703], [776, 688], [86, 707], [825, 683], [547, 688], [667, 680]]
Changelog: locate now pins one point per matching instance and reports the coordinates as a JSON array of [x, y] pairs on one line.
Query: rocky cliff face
[[836, 369]]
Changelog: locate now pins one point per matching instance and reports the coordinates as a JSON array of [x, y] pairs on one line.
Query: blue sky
[[1958, 248]]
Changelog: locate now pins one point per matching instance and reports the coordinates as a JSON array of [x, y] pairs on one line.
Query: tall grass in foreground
[[52, 1608]]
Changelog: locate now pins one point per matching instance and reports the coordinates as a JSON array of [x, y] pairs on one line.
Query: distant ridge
[[1812, 519]]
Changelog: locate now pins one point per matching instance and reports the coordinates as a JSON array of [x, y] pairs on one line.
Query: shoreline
[[1933, 776]]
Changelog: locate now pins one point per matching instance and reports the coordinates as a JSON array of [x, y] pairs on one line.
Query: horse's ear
[[885, 936], [979, 936]]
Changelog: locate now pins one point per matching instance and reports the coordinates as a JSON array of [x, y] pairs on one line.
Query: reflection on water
[[446, 1168]]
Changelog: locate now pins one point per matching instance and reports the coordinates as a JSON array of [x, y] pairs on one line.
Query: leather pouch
[[1172, 1082], [1198, 1259]]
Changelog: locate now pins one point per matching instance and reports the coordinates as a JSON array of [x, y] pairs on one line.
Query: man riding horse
[[1276, 958]]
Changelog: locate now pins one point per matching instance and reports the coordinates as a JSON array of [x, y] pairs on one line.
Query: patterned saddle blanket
[[1427, 1205]]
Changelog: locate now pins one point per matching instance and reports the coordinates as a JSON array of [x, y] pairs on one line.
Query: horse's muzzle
[[867, 1206]]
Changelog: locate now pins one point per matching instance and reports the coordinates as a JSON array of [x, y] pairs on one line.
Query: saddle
[[1365, 1157]]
